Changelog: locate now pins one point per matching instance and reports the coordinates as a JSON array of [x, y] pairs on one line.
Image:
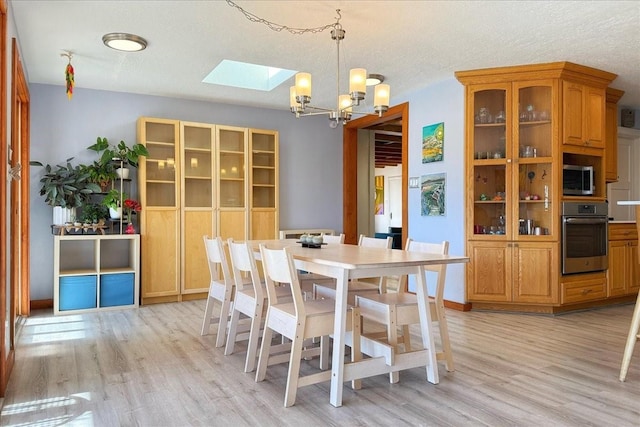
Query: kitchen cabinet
[[200, 179], [525, 272], [518, 136], [583, 110], [623, 276], [95, 272], [611, 134]]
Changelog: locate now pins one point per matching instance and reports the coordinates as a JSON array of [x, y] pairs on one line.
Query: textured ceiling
[[413, 43]]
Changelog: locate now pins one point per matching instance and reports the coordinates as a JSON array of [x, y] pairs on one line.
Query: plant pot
[[115, 213], [122, 173], [63, 215]]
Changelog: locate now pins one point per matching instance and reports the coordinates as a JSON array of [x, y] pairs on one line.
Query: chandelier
[[300, 94]]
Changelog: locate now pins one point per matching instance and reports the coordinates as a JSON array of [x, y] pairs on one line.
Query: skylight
[[248, 76]]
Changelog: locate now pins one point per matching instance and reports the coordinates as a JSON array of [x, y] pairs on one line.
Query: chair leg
[[252, 345], [406, 338], [208, 311], [392, 336], [294, 369], [444, 338], [631, 340], [356, 352], [324, 352], [231, 335], [222, 325], [263, 360]]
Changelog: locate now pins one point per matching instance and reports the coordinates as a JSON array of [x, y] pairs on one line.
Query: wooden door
[[618, 270]]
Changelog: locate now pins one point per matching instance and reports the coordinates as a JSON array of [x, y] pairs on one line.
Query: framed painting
[[432, 198], [379, 205], [433, 143]]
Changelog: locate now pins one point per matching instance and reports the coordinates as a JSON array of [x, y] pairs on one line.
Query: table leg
[[426, 326], [339, 330]]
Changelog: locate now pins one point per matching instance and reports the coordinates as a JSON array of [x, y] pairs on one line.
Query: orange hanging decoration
[[69, 75]]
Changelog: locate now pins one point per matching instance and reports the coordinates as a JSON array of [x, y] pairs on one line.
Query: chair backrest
[[372, 242], [217, 260], [279, 268], [440, 269], [332, 239], [243, 264]]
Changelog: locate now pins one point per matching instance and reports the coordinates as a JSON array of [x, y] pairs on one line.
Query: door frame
[[350, 166]]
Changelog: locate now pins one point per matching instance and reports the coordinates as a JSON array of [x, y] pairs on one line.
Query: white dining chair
[[297, 320], [249, 300], [220, 289], [401, 309], [373, 285]]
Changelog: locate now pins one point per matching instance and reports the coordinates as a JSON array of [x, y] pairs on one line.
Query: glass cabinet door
[[197, 165], [263, 169], [232, 154], [160, 164], [490, 136], [534, 137]]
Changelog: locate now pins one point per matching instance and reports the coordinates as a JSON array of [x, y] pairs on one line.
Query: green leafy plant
[[121, 151], [66, 185], [92, 213], [113, 198], [101, 174]]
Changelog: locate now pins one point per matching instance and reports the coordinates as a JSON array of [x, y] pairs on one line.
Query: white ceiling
[[413, 43]]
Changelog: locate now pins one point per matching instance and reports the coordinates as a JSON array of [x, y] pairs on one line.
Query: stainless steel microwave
[[577, 180]]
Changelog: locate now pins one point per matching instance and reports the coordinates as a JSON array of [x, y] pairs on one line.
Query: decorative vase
[[115, 213], [63, 215], [129, 229]]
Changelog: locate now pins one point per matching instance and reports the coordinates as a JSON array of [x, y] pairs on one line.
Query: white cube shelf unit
[[95, 272]]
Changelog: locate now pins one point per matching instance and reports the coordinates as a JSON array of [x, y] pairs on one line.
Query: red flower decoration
[[70, 79]]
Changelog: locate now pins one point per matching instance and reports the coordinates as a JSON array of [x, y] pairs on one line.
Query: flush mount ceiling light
[[124, 41], [300, 94]]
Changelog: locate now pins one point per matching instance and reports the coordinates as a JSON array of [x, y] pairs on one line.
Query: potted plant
[[92, 213], [102, 174], [65, 187], [113, 200], [120, 152]]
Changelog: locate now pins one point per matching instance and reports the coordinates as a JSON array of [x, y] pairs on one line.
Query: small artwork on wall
[[379, 209], [433, 194], [433, 143]]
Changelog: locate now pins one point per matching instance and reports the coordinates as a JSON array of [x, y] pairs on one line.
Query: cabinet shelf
[[159, 143], [263, 152], [489, 125], [264, 167], [264, 185], [239, 153], [489, 202], [159, 181], [206, 178], [77, 272], [535, 123], [197, 150]]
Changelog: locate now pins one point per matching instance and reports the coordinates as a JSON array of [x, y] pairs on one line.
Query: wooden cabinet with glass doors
[[160, 215], [199, 179], [264, 184], [518, 135], [197, 204]]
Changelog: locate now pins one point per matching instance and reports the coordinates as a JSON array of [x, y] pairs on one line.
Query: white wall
[[441, 102]]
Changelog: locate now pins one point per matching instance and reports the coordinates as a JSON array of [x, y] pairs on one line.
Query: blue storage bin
[[116, 289], [78, 292]]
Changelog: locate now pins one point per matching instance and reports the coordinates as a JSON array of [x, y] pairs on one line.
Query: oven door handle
[[585, 221]]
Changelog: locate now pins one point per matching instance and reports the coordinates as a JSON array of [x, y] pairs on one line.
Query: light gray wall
[[310, 154], [442, 102]]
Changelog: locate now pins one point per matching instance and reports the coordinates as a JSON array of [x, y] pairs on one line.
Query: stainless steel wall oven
[[584, 237]]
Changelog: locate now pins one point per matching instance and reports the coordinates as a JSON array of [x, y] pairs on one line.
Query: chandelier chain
[[279, 27]]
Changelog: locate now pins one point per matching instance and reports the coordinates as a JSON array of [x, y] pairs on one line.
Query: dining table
[[345, 262]]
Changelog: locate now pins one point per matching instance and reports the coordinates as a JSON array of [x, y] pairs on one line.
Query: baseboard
[[41, 304], [457, 305]]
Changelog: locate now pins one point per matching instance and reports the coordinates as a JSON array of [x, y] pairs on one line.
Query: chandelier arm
[[279, 27]]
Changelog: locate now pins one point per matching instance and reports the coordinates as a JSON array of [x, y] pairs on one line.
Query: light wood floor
[[150, 367]]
